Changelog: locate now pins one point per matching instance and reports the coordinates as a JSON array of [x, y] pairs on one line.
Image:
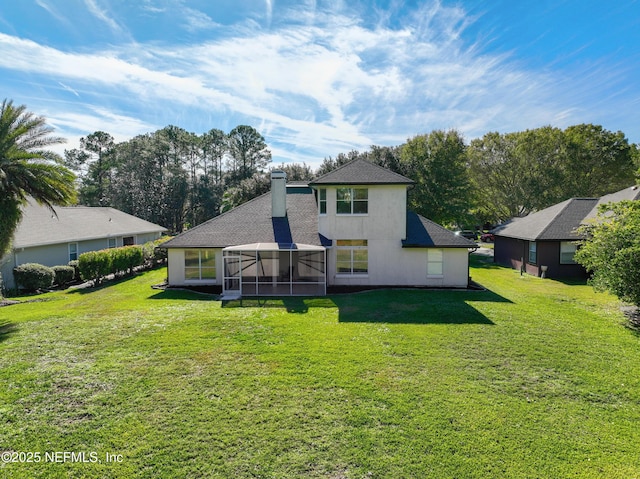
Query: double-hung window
[[322, 200], [435, 260], [352, 257], [533, 252], [199, 264], [352, 201], [73, 251]]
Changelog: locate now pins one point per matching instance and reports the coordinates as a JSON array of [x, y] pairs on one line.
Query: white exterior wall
[[392, 265], [384, 228], [175, 268], [386, 219]]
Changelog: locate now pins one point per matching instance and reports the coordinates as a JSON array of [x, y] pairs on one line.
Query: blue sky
[[318, 78]]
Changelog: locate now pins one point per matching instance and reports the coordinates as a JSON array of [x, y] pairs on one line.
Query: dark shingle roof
[[424, 233], [560, 221], [362, 172], [251, 222], [557, 222]]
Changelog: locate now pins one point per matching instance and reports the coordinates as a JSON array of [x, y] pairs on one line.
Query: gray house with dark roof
[[55, 239], [547, 239], [349, 227]]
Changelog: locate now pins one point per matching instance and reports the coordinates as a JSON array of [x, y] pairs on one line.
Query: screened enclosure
[[270, 269]]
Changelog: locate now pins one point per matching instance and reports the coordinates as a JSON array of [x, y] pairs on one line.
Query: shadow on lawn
[[399, 306], [7, 329], [415, 307]]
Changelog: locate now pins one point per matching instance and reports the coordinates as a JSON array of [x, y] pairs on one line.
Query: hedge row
[[91, 266], [94, 266]]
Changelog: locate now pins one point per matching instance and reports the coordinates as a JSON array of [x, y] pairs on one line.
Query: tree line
[[501, 176]]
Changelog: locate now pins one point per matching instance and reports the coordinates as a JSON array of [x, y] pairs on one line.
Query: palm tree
[[27, 168]]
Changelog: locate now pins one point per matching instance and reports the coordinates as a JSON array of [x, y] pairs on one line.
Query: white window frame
[[435, 263], [351, 194], [354, 250], [199, 268], [76, 252], [533, 253], [569, 248], [115, 243], [322, 201], [135, 240]]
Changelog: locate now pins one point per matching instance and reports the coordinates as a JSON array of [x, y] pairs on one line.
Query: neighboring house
[[547, 238], [55, 239], [349, 227]]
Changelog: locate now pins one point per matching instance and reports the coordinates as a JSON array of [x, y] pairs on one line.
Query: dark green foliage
[[514, 174], [611, 251], [94, 266], [33, 276], [76, 270], [64, 275], [437, 163]]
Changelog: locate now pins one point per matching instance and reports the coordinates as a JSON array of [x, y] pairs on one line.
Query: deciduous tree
[[611, 251]]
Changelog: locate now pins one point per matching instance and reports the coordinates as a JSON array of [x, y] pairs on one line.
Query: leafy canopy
[[612, 250]]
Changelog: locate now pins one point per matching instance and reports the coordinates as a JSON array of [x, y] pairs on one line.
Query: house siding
[[510, 251], [58, 254], [392, 265]]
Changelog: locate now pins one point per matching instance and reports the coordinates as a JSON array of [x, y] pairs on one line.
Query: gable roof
[[424, 233], [251, 222], [361, 172], [560, 221], [40, 227]]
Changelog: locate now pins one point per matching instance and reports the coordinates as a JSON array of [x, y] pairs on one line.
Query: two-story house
[[349, 227]]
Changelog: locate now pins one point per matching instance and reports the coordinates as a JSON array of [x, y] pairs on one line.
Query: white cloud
[[103, 16], [323, 84]]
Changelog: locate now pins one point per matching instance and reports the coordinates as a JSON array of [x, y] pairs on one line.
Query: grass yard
[[532, 378]]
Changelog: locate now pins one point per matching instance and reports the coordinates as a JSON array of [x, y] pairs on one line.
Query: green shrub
[[63, 275], [76, 271], [119, 261], [134, 257], [94, 265], [33, 276]]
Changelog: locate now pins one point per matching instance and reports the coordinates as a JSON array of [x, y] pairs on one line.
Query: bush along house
[[348, 228]]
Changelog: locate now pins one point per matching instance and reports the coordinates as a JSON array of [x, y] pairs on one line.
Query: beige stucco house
[[349, 227], [55, 239]]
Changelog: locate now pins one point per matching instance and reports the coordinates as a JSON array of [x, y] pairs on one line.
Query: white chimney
[[278, 194]]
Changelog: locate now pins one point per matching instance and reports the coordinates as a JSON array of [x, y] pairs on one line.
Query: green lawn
[[531, 378]]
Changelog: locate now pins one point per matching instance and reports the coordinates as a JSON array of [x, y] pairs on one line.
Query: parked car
[[469, 234], [487, 237]]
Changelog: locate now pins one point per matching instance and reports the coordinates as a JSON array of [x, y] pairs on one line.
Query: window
[[111, 243], [435, 259], [352, 201], [199, 264], [73, 251], [322, 201], [533, 252], [567, 250], [352, 257], [128, 241]]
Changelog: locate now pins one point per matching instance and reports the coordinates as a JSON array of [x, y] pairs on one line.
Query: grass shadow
[[7, 329], [184, 294], [415, 307]]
